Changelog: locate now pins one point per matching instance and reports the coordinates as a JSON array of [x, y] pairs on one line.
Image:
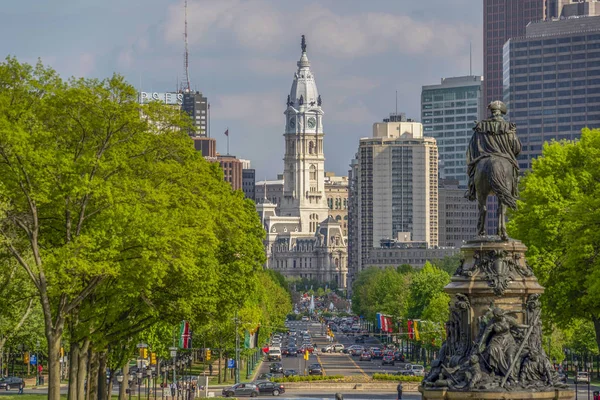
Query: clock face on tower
[[312, 122], [292, 123]]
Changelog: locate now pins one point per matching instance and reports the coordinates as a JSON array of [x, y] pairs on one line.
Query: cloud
[[270, 66], [260, 110]]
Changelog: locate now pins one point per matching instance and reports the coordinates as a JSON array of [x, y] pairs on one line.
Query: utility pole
[[237, 350]]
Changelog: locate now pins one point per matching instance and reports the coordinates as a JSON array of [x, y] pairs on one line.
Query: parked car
[[315, 369], [276, 368], [365, 356], [241, 389], [11, 382], [582, 377], [388, 360], [290, 372], [272, 388]]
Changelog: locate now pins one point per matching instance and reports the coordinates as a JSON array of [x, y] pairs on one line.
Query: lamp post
[[130, 379], [163, 369], [154, 376], [576, 363], [148, 377], [139, 381], [588, 364], [120, 378]]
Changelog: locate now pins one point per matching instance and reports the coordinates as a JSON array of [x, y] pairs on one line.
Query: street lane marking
[[319, 361], [356, 365]]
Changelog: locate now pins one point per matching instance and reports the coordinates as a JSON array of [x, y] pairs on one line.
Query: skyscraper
[[394, 189], [570, 8], [197, 107], [448, 111], [552, 82], [502, 20]]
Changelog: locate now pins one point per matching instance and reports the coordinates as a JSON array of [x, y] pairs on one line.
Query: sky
[[243, 56]]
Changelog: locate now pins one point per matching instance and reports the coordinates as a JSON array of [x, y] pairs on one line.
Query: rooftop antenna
[[186, 56], [396, 103], [470, 58]]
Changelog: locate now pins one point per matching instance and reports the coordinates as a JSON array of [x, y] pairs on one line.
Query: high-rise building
[[552, 82], [302, 239], [206, 146], [394, 189], [232, 170], [336, 192], [457, 216], [197, 107], [502, 20], [249, 183], [570, 8], [448, 112]]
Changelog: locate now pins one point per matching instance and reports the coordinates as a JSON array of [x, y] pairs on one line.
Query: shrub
[[399, 378], [308, 378]]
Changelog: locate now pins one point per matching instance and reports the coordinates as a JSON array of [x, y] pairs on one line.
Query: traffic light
[[26, 357], [144, 353], [208, 354], [152, 358]]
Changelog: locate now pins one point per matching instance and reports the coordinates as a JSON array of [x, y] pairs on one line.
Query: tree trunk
[[82, 364], [102, 376], [596, 321], [92, 392], [219, 371], [54, 339], [73, 365], [123, 385]]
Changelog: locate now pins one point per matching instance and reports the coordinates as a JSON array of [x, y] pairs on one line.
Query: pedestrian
[[210, 369], [21, 386], [399, 389], [173, 389]]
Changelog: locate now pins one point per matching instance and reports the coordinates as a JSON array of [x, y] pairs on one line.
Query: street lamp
[[139, 382], [120, 379], [163, 369], [576, 363], [130, 379], [154, 376], [588, 364]]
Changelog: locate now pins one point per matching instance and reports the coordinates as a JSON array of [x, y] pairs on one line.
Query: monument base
[[445, 394]]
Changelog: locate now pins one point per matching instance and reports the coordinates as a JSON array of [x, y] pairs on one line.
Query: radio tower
[[186, 55]]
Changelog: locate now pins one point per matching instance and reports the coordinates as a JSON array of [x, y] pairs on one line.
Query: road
[[333, 363]]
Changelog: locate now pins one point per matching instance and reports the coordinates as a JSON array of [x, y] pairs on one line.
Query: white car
[[582, 377], [305, 318]]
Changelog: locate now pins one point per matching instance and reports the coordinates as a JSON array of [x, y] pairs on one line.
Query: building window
[[313, 172]]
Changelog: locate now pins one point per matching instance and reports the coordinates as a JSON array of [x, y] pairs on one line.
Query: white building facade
[[302, 240]]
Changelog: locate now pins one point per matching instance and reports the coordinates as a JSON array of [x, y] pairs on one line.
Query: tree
[[558, 218], [111, 213], [449, 263], [380, 290], [425, 285]]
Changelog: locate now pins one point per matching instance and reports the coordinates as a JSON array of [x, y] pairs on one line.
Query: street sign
[[231, 363], [33, 359], [306, 355]]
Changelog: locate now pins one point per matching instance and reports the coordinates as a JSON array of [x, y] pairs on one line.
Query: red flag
[[227, 132], [390, 326], [410, 329]]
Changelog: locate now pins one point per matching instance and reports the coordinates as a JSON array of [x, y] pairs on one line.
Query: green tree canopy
[[558, 218]]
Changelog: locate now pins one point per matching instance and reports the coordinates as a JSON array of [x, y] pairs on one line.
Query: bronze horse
[[492, 166]]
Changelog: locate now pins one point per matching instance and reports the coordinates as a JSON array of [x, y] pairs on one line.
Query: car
[[562, 377], [274, 354], [285, 351], [241, 389], [305, 318], [355, 350], [265, 377], [327, 349], [399, 356], [11, 382], [413, 370], [276, 368], [388, 360], [365, 356], [272, 388], [377, 353], [315, 369], [359, 339], [290, 372], [292, 352], [582, 377], [338, 348]]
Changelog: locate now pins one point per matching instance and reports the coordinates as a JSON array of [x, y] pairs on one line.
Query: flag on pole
[[378, 320], [410, 329], [416, 327], [390, 325], [227, 132], [247, 339], [255, 344], [184, 335]]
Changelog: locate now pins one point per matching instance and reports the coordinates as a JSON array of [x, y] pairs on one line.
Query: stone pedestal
[[558, 394], [493, 348]]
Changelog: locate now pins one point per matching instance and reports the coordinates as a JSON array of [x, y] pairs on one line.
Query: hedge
[[308, 378], [401, 378]]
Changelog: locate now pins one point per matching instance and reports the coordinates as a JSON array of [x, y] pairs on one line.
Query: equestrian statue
[[492, 166]]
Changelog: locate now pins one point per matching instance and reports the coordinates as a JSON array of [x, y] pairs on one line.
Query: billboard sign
[[166, 97]]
